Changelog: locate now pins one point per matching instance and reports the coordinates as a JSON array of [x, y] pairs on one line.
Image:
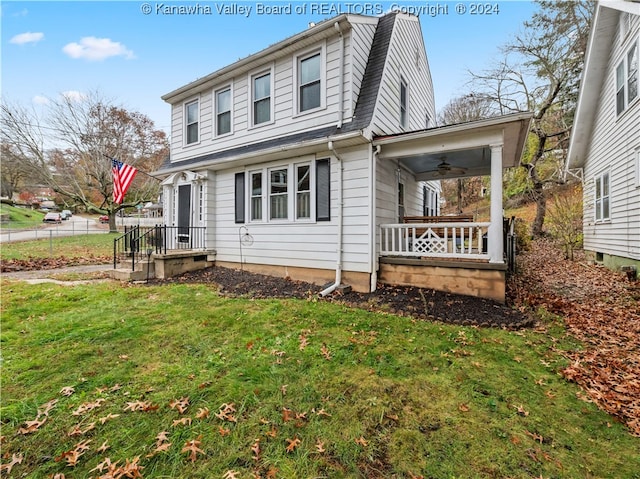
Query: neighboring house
[[605, 141], [303, 159]]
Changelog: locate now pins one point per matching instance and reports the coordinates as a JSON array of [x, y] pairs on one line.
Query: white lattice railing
[[437, 240]]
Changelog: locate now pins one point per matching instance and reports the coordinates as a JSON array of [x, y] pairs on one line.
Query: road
[[76, 225]]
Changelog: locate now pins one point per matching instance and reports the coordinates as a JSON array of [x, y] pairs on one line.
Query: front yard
[[177, 380]]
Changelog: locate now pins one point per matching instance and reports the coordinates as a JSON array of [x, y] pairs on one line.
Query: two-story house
[[605, 141], [295, 157]]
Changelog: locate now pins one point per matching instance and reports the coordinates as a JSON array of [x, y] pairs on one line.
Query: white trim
[[297, 59], [624, 63], [603, 218], [185, 125], [222, 89], [403, 124], [636, 154], [252, 77]]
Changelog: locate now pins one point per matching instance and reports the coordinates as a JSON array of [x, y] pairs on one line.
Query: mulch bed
[[419, 303]]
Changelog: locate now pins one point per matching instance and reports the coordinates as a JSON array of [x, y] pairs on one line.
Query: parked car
[[104, 219], [66, 214], [52, 218]]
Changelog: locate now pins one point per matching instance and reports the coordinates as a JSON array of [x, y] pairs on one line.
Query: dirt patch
[[419, 303]]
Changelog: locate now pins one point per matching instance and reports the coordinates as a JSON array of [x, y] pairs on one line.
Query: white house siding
[[406, 59], [613, 147], [285, 120], [300, 244]]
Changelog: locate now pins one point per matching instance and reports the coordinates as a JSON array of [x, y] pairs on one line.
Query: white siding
[[285, 119], [406, 59], [614, 144], [301, 244]]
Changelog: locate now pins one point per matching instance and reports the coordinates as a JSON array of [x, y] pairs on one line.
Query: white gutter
[[340, 76], [338, 280]]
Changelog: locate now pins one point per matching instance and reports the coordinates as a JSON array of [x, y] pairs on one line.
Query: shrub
[[564, 220]]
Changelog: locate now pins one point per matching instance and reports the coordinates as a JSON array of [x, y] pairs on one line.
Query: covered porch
[[459, 254]]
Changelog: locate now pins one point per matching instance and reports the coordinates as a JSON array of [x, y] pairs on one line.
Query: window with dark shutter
[[323, 190], [239, 197]]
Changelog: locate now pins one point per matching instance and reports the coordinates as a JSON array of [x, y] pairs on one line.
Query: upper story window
[[404, 103], [192, 123], [261, 98], [627, 79], [310, 82], [223, 111], [602, 203]]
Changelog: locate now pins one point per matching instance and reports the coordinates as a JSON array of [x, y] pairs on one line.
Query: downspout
[[338, 279], [374, 218], [340, 76]]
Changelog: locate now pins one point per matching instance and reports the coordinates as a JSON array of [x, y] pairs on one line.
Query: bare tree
[[82, 135], [466, 108], [12, 171], [540, 72], [469, 107]]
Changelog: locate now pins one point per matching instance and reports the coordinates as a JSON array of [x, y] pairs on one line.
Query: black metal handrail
[[140, 242]]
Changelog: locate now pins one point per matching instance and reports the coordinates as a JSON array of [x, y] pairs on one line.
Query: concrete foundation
[[360, 282]]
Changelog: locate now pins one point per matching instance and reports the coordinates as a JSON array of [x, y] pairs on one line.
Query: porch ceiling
[[459, 150]]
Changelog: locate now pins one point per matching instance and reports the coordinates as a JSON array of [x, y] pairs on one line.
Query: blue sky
[[134, 57]]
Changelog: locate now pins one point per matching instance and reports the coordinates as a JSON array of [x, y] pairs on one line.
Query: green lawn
[[69, 247], [21, 217], [284, 388]]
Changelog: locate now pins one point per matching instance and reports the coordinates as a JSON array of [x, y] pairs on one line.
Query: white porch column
[[496, 248]]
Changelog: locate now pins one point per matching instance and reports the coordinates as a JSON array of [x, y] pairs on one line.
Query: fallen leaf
[[192, 448], [255, 449], [230, 474], [202, 413], [67, 391], [223, 432], [15, 459], [325, 352], [108, 417], [181, 405], [184, 421], [292, 444], [362, 441], [103, 447], [304, 342], [320, 447], [464, 407], [226, 412]]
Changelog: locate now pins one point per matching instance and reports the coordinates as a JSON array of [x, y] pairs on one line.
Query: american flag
[[123, 175]]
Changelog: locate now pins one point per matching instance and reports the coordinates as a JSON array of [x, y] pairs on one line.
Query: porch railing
[[464, 240], [140, 242]]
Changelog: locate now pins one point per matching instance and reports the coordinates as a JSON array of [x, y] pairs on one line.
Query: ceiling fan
[[445, 168]]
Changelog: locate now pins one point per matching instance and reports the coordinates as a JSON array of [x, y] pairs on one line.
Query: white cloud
[[95, 49], [74, 95], [40, 100], [27, 37]]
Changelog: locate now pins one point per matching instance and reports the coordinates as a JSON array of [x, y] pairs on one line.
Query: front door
[[184, 213]]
